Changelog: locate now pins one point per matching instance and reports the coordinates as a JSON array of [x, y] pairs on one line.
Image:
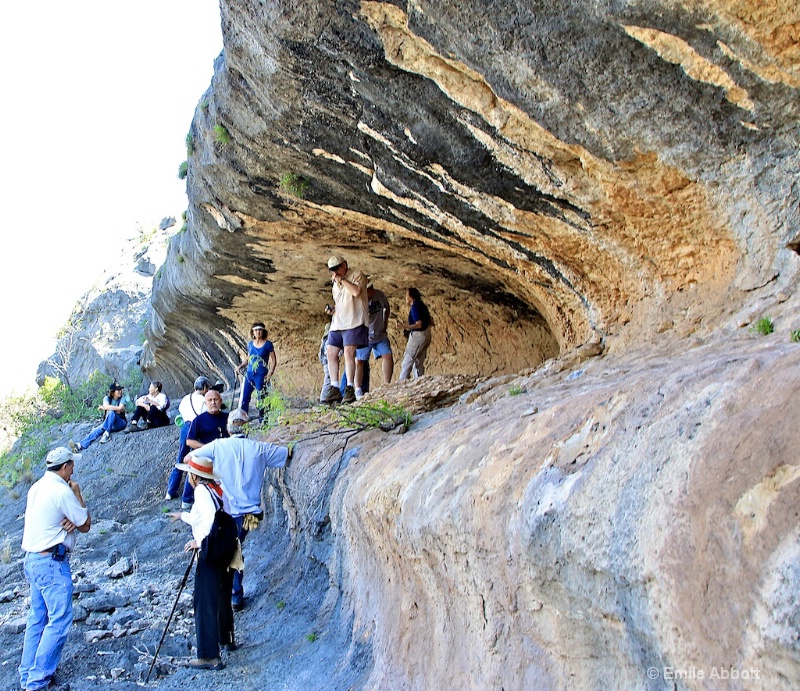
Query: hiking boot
[[105, 438], [75, 447], [359, 394], [206, 663], [334, 395], [349, 395], [230, 647], [132, 427]]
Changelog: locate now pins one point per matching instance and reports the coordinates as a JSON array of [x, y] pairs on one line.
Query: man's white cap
[[59, 456]]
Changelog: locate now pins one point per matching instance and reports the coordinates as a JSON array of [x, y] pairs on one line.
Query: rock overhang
[[537, 197]]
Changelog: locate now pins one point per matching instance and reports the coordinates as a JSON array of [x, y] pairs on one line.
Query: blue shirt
[[242, 462], [257, 358], [419, 312], [206, 427]]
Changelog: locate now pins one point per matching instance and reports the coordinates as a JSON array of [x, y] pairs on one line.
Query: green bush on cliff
[[294, 184], [30, 420], [183, 170], [189, 144], [763, 326], [221, 135]]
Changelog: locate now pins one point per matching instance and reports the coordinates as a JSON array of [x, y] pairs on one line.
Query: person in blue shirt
[[205, 428], [419, 335], [260, 365]]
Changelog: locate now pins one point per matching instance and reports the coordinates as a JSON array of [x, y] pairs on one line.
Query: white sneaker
[[359, 394], [105, 438]]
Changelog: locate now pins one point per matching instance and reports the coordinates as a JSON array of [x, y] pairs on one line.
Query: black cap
[[219, 385]]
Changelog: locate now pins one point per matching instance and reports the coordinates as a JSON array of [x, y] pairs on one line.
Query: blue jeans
[[177, 476], [113, 422], [238, 576], [253, 383], [49, 618]]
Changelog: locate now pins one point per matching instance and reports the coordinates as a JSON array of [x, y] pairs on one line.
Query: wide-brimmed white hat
[[204, 467]]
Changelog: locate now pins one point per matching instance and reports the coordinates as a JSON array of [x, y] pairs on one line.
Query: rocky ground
[[127, 571]]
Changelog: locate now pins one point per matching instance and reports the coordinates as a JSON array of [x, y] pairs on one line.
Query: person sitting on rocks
[[152, 408], [205, 428], [114, 420]]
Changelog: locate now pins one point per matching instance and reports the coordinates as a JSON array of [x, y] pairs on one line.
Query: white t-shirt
[[50, 501], [192, 404], [351, 312]]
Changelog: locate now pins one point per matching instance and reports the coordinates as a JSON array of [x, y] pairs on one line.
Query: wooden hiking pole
[[169, 619]]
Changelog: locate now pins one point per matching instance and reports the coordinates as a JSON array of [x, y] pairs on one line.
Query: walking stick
[[169, 619], [234, 406]]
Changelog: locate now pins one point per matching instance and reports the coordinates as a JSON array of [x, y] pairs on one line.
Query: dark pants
[[237, 597], [213, 616], [156, 417], [176, 477]]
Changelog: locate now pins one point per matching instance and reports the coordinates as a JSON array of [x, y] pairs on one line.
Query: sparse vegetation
[[30, 418], [294, 184], [221, 135], [281, 605], [189, 144], [7, 550], [184, 228], [311, 637], [515, 390], [181, 259], [183, 170], [204, 104], [795, 336], [183, 215], [763, 326]]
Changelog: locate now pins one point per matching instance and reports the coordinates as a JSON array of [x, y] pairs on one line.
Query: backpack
[[219, 546]]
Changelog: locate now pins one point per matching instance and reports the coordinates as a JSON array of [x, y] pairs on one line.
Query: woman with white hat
[[213, 615]]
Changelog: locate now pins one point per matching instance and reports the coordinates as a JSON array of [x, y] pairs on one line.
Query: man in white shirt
[[242, 464], [349, 327], [192, 404], [55, 510]]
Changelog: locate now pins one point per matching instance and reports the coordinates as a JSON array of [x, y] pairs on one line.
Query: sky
[[97, 99]]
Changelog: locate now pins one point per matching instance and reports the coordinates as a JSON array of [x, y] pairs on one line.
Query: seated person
[[151, 407], [114, 419]]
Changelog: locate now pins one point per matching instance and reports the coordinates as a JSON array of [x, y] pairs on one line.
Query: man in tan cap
[[55, 510], [349, 327]]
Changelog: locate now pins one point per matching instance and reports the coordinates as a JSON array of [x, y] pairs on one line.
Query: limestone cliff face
[[546, 173], [556, 177]]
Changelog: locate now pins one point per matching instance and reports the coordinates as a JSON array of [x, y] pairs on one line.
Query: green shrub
[[183, 170], [795, 336], [311, 637], [221, 135], [204, 104], [763, 326], [181, 259], [189, 144], [31, 418], [515, 390], [294, 184]]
